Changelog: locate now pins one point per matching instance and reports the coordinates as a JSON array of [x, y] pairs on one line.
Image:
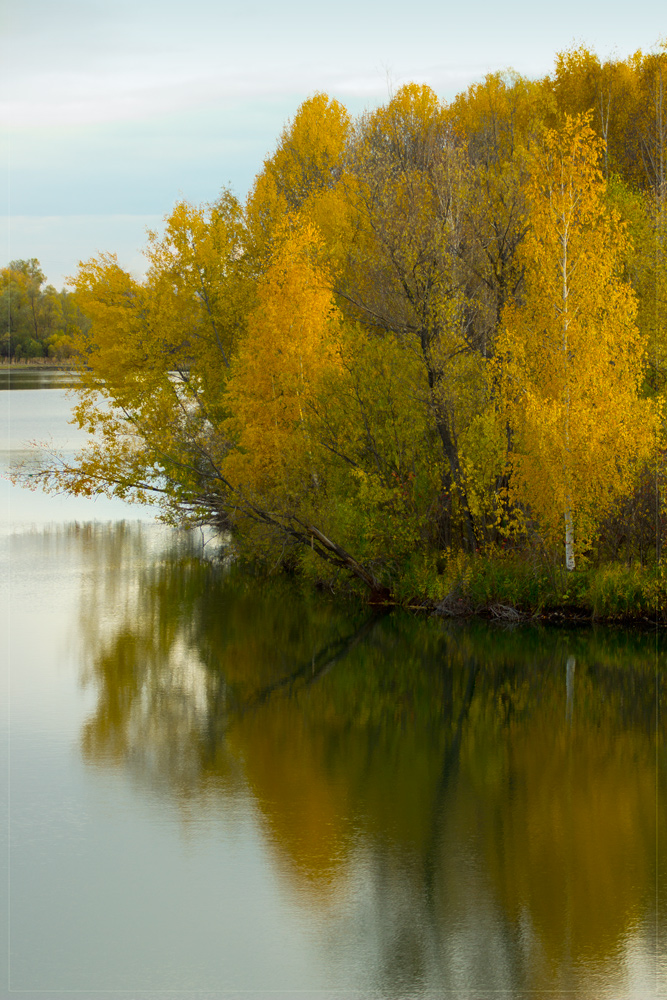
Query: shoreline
[[504, 590], [569, 616], [556, 614], [559, 617]]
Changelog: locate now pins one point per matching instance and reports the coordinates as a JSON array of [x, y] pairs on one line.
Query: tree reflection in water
[[462, 804]]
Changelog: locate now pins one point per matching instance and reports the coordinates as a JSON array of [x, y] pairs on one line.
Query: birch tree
[[571, 356]]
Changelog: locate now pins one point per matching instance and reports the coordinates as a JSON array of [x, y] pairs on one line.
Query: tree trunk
[[445, 431], [569, 537], [451, 453]]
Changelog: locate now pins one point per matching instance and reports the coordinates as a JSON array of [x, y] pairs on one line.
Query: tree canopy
[[430, 329]]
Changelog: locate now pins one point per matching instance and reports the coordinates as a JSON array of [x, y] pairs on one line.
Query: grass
[[477, 584]]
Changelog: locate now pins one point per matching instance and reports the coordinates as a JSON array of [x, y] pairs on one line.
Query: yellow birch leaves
[[570, 358]]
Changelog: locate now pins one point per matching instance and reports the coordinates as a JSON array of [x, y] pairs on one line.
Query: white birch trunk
[[569, 538], [569, 524]]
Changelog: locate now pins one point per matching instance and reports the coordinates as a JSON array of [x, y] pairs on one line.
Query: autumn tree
[[209, 387], [406, 180], [328, 452], [494, 121], [571, 358], [626, 102], [302, 174], [158, 353], [291, 341], [583, 85]]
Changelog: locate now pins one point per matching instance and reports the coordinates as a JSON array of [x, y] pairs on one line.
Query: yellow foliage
[[570, 357], [347, 359], [159, 352], [290, 344], [301, 175], [497, 117]]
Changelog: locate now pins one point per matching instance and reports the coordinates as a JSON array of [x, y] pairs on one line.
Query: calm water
[[223, 788]]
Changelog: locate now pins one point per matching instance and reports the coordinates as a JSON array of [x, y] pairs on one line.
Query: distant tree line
[[36, 321]]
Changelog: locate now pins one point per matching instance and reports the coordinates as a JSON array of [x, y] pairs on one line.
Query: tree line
[[36, 320], [433, 329]]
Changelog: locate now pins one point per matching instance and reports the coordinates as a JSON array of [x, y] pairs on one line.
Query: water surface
[[223, 787], [37, 377]]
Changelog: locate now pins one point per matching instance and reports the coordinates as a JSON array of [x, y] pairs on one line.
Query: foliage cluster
[[434, 332]]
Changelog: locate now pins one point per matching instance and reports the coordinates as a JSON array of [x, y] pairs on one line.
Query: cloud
[[119, 109], [81, 62], [142, 167]]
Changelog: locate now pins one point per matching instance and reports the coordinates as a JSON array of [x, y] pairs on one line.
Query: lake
[[222, 787]]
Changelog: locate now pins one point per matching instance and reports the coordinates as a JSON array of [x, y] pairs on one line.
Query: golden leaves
[[570, 357], [291, 343], [321, 353]]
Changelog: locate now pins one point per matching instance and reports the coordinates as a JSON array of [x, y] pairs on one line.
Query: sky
[[111, 111]]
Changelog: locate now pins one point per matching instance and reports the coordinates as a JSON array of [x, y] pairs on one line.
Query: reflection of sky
[[110, 889], [113, 888], [37, 416], [117, 110]]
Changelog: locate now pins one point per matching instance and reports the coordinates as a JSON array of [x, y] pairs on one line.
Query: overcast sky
[[112, 110]]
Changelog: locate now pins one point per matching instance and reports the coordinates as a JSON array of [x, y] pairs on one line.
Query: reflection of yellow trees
[[573, 836], [305, 808], [448, 764], [352, 756]]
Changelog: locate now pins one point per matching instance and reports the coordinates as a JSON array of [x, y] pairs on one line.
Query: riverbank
[[566, 615], [493, 585], [513, 590], [499, 587]]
